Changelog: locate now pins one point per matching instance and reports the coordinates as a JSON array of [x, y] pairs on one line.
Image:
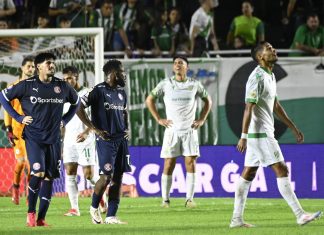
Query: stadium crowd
[[170, 26]]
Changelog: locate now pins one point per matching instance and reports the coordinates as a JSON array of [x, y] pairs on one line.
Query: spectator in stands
[[202, 28], [7, 8], [75, 10], [182, 42], [105, 18], [7, 44], [162, 36], [309, 38], [250, 28], [42, 23], [136, 22]]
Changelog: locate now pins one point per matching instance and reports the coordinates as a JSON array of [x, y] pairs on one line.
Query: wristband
[[244, 136]]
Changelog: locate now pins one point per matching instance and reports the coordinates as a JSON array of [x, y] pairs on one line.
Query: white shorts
[[177, 143], [262, 152], [83, 154]]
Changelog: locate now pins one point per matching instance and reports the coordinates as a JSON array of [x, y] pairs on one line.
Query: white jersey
[[75, 126], [261, 89], [202, 20], [180, 100]]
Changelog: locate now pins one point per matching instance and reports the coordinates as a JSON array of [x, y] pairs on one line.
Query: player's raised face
[[180, 66], [71, 78], [28, 69], [269, 54]]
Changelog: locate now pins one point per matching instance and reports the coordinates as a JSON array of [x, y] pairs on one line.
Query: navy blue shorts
[[113, 156], [44, 158]]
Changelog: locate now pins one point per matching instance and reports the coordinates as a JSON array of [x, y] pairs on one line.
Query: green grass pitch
[[145, 216]]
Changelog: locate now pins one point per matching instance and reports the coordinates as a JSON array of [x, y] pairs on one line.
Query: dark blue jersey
[[44, 103], [108, 107]]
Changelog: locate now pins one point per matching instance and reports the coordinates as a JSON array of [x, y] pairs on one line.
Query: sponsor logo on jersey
[[35, 100], [36, 166], [120, 96], [108, 95], [113, 106], [57, 90], [108, 167], [35, 89]]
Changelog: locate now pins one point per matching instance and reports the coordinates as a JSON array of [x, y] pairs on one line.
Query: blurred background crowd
[[190, 26]]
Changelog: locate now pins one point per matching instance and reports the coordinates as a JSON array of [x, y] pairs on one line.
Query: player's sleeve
[[10, 93], [201, 91], [254, 88], [74, 99], [158, 90]]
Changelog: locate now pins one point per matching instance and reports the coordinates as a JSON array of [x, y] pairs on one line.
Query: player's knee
[[106, 178], [88, 174], [169, 165]]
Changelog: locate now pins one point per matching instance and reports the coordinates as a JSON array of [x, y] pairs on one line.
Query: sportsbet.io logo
[[39, 100]]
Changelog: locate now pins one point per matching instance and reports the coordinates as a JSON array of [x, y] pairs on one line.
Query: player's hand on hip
[[166, 123], [197, 123], [101, 133], [241, 145], [27, 120]]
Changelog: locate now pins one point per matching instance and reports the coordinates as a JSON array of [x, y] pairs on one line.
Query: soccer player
[[42, 98], [14, 131], [258, 140], [180, 137], [78, 147], [109, 121]]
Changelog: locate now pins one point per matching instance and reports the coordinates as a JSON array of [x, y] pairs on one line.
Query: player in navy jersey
[[42, 98], [109, 121]]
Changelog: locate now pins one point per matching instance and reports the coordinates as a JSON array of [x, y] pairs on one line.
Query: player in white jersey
[[78, 147], [180, 138], [257, 137]]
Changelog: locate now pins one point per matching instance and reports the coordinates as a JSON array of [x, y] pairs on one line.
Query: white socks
[[190, 184], [241, 192], [72, 190], [166, 181], [288, 194], [93, 180]]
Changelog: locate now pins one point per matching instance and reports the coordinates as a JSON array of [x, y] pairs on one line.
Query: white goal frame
[[97, 33]]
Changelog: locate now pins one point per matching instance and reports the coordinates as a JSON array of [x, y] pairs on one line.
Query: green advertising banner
[[300, 88]]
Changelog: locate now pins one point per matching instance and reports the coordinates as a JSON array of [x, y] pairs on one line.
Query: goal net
[[82, 48]]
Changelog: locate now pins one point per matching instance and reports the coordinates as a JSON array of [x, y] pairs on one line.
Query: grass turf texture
[[145, 216]]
